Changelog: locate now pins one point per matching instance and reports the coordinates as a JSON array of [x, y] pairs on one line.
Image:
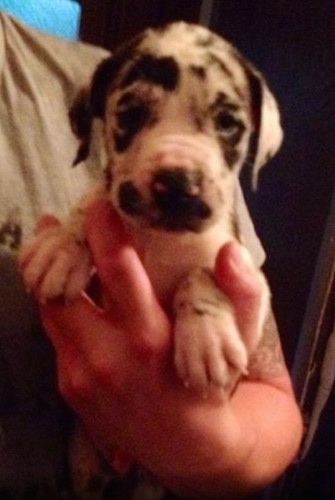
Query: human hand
[[115, 368]]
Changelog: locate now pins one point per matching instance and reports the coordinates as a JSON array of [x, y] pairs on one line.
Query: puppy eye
[[132, 117], [227, 124]]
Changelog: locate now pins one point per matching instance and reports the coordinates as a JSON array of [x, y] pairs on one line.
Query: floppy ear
[[80, 115], [108, 72], [266, 117], [90, 104], [102, 80]]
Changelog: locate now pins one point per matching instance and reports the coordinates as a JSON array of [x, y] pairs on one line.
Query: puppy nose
[[175, 183], [177, 194]]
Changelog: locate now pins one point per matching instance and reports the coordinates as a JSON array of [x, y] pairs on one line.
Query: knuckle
[[151, 342], [199, 383], [74, 387]]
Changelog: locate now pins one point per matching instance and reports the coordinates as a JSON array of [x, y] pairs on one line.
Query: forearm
[[251, 449], [249, 452], [271, 413], [278, 432]]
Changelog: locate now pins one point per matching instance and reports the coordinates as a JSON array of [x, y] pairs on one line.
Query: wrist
[[215, 464]]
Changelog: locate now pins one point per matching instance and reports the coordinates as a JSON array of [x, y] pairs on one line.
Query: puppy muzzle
[[175, 200], [168, 189]]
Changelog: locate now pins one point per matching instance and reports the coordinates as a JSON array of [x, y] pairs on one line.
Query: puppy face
[[180, 106]]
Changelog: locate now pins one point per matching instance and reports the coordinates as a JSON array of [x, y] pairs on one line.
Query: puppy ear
[[102, 80], [266, 117], [80, 115], [109, 73], [90, 104]]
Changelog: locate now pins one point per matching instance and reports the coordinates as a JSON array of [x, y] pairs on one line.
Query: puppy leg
[[57, 260], [209, 350]]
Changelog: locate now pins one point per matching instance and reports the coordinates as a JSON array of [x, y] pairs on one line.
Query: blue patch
[[57, 17]]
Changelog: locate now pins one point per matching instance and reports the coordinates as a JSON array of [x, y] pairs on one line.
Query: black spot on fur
[[130, 199], [199, 311], [10, 235], [122, 141], [162, 71], [107, 73], [81, 117], [131, 115], [214, 59], [198, 71], [231, 155]]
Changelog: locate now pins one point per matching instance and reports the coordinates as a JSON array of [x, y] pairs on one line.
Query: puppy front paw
[[209, 351], [55, 263]]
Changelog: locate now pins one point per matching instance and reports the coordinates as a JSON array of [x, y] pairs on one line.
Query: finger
[[245, 286], [72, 372], [29, 247], [78, 278], [121, 271], [37, 256], [53, 281], [84, 339], [81, 323]]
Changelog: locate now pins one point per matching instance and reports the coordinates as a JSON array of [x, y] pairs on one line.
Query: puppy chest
[[168, 257]]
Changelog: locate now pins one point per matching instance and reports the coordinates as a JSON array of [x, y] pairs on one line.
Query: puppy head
[[180, 106]]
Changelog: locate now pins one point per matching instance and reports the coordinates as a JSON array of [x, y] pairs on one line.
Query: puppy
[[182, 113]]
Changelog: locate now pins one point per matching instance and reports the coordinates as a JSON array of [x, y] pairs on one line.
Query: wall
[[293, 43]]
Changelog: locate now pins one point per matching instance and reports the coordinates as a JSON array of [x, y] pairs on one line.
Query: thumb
[[245, 286]]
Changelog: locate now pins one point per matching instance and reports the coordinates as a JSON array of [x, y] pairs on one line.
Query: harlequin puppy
[[182, 112]]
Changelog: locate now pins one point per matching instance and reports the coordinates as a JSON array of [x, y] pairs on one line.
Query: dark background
[[292, 42]]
